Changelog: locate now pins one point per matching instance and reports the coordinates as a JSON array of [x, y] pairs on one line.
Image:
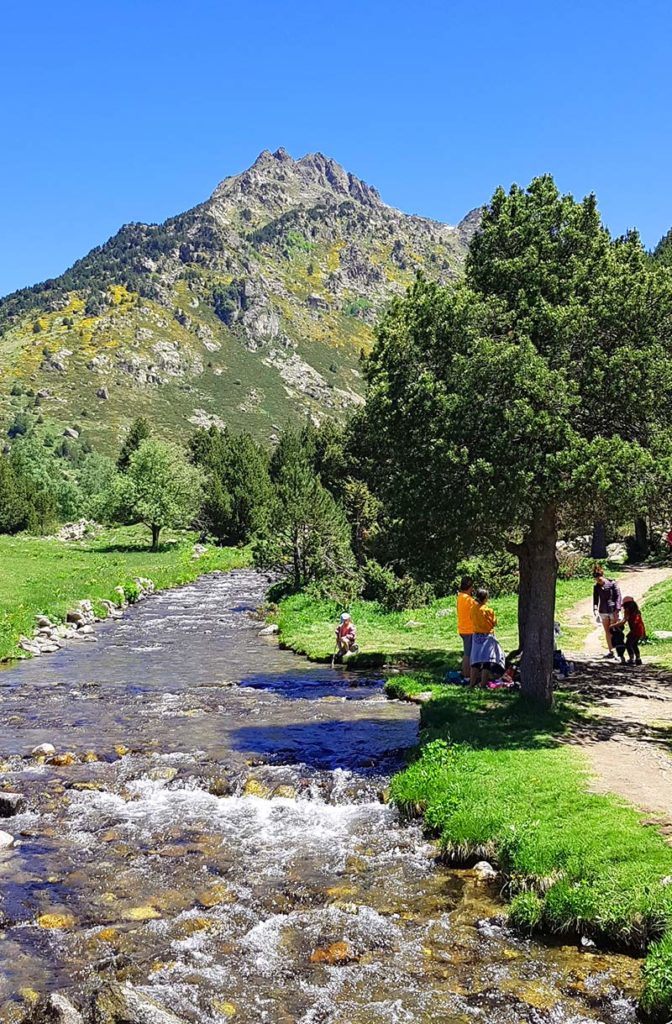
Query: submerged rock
[[288, 792], [122, 1004], [63, 760], [255, 787], [336, 953], [215, 895], [56, 920], [219, 787], [55, 1009]]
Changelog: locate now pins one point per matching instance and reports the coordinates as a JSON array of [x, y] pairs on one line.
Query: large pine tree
[[533, 396]]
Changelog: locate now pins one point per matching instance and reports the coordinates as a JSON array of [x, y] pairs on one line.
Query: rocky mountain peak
[[277, 182]]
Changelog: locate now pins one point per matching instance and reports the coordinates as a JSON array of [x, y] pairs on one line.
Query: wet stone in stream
[[225, 852]]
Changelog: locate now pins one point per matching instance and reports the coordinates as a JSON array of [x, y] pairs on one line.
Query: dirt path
[[627, 735], [636, 582]]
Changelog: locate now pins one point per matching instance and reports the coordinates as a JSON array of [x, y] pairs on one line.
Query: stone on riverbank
[[269, 630], [6, 840], [11, 804]]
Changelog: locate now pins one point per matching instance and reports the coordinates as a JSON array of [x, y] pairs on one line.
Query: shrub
[[526, 911], [497, 572], [572, 565], [392, 592]]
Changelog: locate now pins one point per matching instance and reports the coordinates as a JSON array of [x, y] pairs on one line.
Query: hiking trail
[[627, 737]]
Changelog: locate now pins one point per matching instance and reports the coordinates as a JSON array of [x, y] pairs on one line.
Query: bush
[[497, 572], [573, 566], [392, 592]]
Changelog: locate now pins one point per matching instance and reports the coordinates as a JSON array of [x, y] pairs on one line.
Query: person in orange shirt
[[487, 657], [465, 602]]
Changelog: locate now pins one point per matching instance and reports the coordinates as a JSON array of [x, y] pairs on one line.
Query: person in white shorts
[[606, 607]]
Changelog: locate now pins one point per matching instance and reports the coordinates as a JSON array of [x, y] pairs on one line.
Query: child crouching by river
[[487, 657]]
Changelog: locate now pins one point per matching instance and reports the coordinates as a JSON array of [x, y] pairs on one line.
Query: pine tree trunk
[[598, 547], [538, 572], [156, 530]]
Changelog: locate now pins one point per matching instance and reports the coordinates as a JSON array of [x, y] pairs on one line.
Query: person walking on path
[[636, 629], [606, 607], [465, 603], [487, 657]]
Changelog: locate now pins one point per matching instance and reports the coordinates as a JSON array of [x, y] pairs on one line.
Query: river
[[230, 855]]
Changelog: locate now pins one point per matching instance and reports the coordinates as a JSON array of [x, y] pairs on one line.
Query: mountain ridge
[[271, 285]]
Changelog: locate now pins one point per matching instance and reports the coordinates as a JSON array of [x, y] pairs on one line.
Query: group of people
[[483, 658], [617, 614]]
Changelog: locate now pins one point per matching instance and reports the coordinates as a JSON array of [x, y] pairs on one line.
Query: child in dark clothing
[[618, 640], [632, 617]]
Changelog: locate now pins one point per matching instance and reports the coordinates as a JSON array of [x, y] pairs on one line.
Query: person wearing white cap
[[346, 635]]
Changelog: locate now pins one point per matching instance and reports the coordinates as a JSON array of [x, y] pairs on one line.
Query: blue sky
[[114, 112]]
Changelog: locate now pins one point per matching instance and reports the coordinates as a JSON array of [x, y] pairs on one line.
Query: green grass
[[42, 576], [307, 626], [657, 614], [492, 780]]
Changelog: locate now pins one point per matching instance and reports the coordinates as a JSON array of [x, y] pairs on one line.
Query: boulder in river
[[484, 870], [55, 1009], [6, 840], [122, 1004], [43, 750], [11, 804]]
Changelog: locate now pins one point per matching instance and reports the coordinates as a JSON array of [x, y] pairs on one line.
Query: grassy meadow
[[45, 576], [422, 636]]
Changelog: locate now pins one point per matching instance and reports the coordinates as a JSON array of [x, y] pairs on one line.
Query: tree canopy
[[160, 488]]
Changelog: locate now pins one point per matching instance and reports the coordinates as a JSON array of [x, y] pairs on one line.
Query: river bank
[[48, 577], [492, 781]]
